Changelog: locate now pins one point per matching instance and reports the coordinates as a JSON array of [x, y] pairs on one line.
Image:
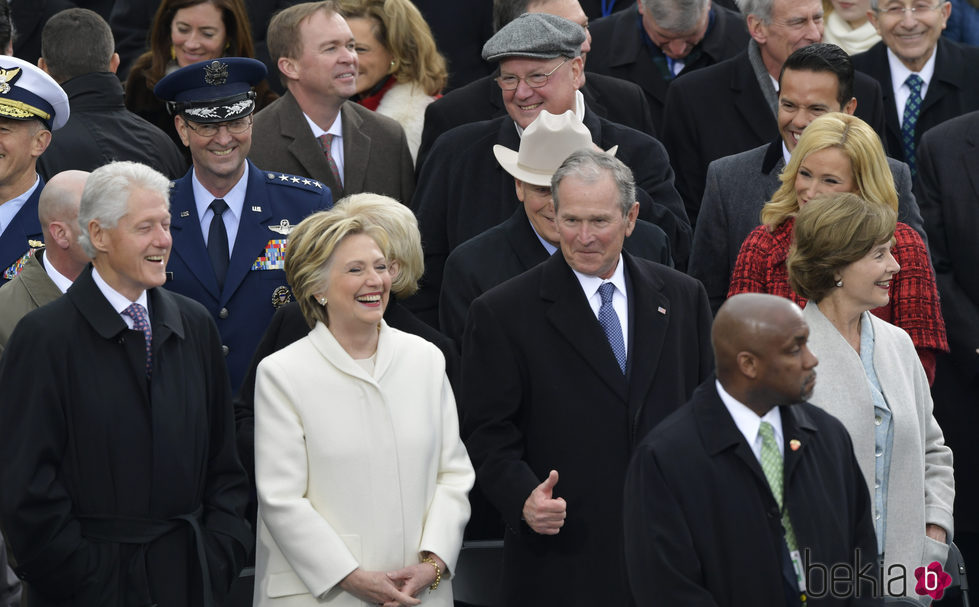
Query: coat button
[[223, 313], [225, 350]]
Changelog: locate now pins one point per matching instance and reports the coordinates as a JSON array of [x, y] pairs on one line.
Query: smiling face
[[824, 171], [219, 161], [197, 33], [373, 59], [539, 206], [358, 285], [557, 96], [590, 224], [132, 256], [912, 37], [21, 142], [327, 65], [867, 281], [804, 96]]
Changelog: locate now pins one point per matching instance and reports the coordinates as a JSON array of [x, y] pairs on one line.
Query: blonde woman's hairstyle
[[401, 29], [401, 227], [309, 253], [830, 233], [858, 142]]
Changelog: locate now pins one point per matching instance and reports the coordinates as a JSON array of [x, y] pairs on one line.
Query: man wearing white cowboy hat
[[462, 191], [530, 235], [31, 106]]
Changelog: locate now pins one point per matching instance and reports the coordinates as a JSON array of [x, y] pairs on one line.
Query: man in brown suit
[[313, 130]]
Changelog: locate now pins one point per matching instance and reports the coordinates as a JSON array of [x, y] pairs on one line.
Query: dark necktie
[[142, 323], [610, 323], [911, 110], [217, 241], [326, 142]]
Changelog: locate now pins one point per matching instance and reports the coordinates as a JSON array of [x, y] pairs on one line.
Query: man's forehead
[[525, 64], [783, 9], [808, 82]]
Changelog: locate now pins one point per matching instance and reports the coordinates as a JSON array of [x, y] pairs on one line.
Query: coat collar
[[774, 159], [99, 90], [523, 240], [331, 350]]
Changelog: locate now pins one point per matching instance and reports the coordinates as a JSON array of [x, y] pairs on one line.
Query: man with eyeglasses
[[230, 219], [731, 107], [926, 78], [659, 41], [462, 191]]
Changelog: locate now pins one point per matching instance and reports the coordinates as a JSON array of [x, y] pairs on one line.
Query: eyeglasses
[[510, 82], [918, 10], [210, 129]]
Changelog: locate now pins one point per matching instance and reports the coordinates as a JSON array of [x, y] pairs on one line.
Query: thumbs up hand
[[544, 513]]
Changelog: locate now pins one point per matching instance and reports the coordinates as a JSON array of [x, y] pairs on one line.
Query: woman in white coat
[[362, 478], [871, 379]]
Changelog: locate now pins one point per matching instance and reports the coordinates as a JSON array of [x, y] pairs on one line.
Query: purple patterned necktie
[[141, 322], [326, 142]]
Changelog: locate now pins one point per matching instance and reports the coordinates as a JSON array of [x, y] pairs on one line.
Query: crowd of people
[[671, 300]]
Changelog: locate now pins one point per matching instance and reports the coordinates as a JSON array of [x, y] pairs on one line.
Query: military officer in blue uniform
[[31, 106], [230, 219]]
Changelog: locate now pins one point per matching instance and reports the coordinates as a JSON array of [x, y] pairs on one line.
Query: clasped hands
[[392, 588], [543, 512]]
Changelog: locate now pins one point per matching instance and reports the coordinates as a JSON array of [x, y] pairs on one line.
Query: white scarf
[[853, 41]]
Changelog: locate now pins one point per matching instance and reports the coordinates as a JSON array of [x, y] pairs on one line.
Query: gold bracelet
[[438, 572]]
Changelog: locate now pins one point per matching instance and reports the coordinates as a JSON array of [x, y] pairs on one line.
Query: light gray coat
[[920, 487], [737, 188]]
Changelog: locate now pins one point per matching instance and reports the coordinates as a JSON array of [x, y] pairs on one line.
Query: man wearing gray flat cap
[[462, 190]]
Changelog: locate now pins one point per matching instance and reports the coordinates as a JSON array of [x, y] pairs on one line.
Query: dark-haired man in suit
[[590, 348]]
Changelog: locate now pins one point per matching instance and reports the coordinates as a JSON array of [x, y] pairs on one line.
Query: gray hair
[[106, 195], [875, 5], [676, 15], [590, 166], [762, 9]]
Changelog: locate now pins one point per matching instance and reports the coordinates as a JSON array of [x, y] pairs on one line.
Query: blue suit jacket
[[14, 239], [244, 307]]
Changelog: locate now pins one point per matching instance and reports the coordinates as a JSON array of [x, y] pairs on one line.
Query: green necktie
[[771, 464]]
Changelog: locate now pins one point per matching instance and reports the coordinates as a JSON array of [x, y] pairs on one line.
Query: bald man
[[704, 525], [51, 269]]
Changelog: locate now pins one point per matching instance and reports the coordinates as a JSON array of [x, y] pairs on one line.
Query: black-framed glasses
[[210, 129], [918, 10], [510, 82]]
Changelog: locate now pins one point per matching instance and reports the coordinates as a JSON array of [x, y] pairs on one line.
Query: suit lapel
[[796, 432], [572, 317], [720, 434], [972, 159], [23, 227], [304, 147], [649, 318], [253, 232], [188, 240], [750, 99], [356, 149], [523, 240], [880, 69], [946, 79]]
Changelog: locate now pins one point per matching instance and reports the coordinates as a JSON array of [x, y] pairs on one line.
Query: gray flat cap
[[537, 35]]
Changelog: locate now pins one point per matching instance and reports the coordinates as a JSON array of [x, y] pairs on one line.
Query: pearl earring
[[322, 301], [839, 282]]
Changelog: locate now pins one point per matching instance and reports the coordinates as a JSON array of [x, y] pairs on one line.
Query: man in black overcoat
[[703, 526], [564, 367], [121, 483]]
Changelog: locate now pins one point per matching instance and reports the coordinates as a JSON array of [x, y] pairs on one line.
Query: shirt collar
[[551, 249], [10, 208], [336, 129], [900, 72], [590, 283], [748, 421], [60, 280], [117, 300], [235, 198]]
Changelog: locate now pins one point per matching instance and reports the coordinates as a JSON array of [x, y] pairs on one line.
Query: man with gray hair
[[591, 347], [731, 107], [461, 189], [78, 51], [127, 488], [676, 37], [49, 271]]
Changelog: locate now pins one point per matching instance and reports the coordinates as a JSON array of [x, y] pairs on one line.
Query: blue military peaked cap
[[27, 93], [216, 90]]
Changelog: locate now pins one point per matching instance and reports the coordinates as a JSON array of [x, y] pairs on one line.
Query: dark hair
[[75, 42], [824, 57], [6, 26], [505, 11], [153, 63]]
